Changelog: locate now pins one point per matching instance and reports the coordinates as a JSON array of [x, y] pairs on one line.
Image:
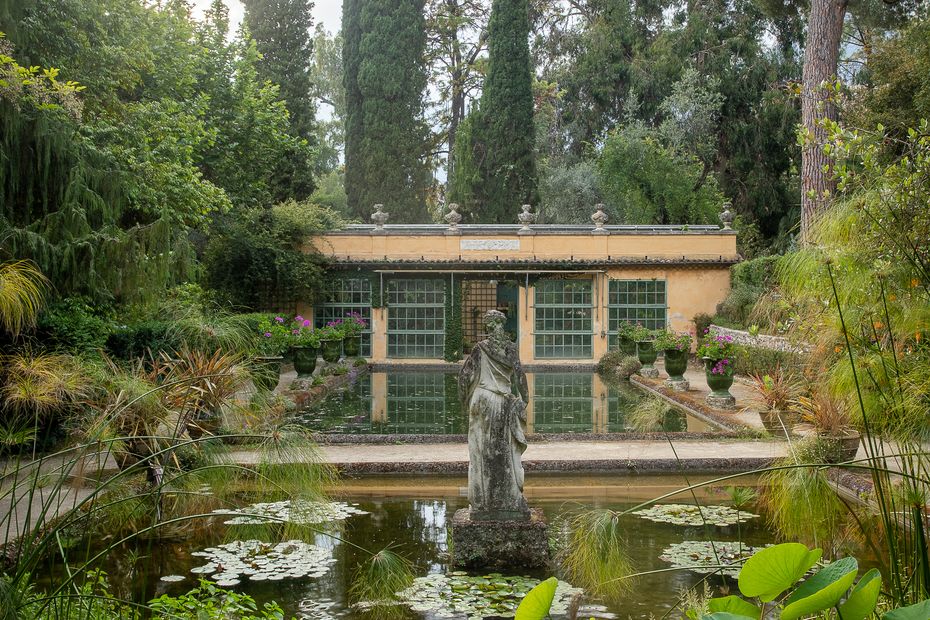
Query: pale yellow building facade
[[565, 289]]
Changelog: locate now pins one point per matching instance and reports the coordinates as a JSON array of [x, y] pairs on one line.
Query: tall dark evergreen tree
[[502, 133], [282, 30], [385, 77]]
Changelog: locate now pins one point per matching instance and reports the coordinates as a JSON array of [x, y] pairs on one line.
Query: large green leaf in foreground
[[773, 570]]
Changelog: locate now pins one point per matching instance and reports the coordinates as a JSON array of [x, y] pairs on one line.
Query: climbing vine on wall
[[454, 334]]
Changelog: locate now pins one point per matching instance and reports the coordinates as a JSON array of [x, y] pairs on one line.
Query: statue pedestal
[[522, 544]]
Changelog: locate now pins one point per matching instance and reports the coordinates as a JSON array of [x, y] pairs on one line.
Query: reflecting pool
[[427, 403], [412, 515]]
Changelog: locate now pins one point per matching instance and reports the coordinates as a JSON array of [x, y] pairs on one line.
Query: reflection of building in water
[[565, 290], [427, 402]]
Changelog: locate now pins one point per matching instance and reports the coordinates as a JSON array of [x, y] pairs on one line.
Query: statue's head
[[494, 322]]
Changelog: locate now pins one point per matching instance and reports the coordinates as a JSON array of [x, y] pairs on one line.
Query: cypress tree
[[385, 76], [351, 38], [502, 138], [282, 32]]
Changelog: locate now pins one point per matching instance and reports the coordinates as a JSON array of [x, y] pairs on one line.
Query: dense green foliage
[[282, 33], [170, 128], [259, 262], [703, 72], [385, 78], [499, 173]]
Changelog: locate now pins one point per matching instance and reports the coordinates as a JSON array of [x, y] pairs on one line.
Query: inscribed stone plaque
[[489, 244]]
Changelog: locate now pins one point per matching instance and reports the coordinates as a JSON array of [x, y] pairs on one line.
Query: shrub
[[73, 325], [749, 360], [702, 323], [749, 281], [128, 342], [629, 365], [609, 362]]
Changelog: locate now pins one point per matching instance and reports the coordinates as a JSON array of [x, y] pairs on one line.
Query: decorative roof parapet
[[534, 263], [538, 229]]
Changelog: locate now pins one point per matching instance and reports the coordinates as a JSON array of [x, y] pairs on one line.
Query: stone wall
[[762, 341]]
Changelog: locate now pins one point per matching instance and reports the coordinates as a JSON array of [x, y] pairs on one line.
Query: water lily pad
[[704, 556], [260, 561], [686, 514], [301, 512], [173, 578], [459, 595]]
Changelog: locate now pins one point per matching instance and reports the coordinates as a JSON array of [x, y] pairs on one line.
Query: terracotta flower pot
[[332, 350], [305, 360], [676, 363], [266, 372], [841, 448], [352, 346], [777, 422]]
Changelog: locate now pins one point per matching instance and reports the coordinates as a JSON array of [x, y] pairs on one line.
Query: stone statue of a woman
[[493, 389]]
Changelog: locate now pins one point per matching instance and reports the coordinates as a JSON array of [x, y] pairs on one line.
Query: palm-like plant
[[22, 294]]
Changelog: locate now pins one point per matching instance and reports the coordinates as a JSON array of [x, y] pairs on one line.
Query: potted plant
[[273, 340], [645, 349], [829, 418], [331, 336], [352, 328], [675, 348], [717, 353], [305, 346], [776, 393], [625, 341]]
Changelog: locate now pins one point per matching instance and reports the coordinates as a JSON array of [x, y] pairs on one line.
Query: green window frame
[[563, 319], [416, 318], [345, 295], [636, 301], [563, 403]]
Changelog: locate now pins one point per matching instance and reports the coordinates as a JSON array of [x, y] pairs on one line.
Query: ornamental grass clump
[[776, 391]]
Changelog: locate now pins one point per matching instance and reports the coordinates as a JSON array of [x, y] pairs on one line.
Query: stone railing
[[762, 341]]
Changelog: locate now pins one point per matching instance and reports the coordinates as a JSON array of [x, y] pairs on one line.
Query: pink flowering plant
[[332, 330], [273, 336], [353, 325], [302, 333], [670, 341], [719, 349]]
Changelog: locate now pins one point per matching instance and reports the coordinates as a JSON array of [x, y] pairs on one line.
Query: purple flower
[[299, 319], [279, 319], [295, 332], [267, 334], [306, 323]]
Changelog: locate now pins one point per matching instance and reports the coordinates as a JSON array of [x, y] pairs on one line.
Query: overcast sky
[[326, 12]]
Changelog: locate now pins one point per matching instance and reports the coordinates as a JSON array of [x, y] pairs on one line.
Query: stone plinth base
[[721, 402], [681, 385], [500, 544], [649, 372]]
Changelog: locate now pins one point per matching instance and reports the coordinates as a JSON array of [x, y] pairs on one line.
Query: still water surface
[[413, 514], [417, 403]]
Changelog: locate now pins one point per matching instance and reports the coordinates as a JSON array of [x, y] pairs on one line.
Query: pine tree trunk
[[821, 55]]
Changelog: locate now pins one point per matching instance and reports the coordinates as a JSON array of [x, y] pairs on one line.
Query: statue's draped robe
[[496, 432]]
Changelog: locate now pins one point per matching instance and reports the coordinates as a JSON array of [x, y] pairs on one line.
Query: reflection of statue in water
[[496, 425]]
